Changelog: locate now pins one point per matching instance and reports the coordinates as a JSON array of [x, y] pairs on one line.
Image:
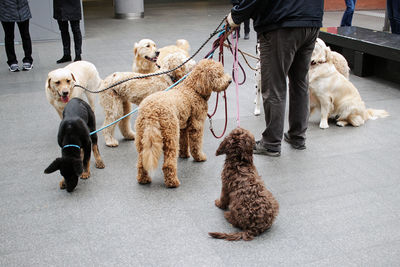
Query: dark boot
[[64, 59]]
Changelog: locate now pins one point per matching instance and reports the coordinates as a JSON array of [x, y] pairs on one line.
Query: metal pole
[[128, 9]]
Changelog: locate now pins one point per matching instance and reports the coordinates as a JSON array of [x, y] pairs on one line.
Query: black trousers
[[285, 52], [9, 41], [66, 40]]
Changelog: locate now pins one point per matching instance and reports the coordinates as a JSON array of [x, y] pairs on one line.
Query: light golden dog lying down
[[116, 102], [173, 120], [334, 94], [60, 84]]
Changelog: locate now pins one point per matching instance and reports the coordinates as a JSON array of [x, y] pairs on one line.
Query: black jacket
[[14, 10], [270, 15], [67, 10]]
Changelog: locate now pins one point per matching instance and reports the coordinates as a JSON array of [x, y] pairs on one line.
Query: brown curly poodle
[[252, 207], [117, 101], [173, 120]]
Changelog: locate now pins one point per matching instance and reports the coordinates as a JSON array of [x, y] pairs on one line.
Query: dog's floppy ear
[[222, 147], [77, 166], [54, 166], [48, 83], [135, 48]]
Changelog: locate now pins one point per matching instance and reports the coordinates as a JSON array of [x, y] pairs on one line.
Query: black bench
[[368, 52]]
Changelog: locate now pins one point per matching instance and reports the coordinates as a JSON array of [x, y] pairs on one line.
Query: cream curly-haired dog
[[334, 94], [181, 46], [60, 84], [116, 102], [173, 120], [252, 207]]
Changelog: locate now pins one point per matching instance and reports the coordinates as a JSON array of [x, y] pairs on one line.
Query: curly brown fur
[[173, 120], [252, 207], [116, 102]]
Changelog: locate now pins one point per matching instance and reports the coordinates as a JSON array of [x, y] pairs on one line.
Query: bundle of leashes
[[223, 32]]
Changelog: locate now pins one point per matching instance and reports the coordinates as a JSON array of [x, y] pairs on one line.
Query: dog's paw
[[100, 164], [85, 175], [323, 125], [173, 183], [111, 142], [341, 123], [143, 180], [62, 184], [130, 136], [184, 154], [200, 157], [218, 203]]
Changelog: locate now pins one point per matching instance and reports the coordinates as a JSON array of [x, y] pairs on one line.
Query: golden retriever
[[334, 94], [60, 84], [145, 56], [116, 102], [174, 120]]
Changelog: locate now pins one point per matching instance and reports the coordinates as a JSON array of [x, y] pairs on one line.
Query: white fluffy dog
[[334, 94], [60, 84]]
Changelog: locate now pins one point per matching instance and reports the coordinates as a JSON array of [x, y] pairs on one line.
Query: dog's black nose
[[157, 53]]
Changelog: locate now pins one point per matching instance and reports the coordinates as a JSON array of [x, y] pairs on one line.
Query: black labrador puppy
[[73, 136]]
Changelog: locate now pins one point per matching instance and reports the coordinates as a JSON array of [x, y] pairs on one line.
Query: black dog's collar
[[71, 146]]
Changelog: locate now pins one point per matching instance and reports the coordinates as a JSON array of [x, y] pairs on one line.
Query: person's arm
[[242, 12]]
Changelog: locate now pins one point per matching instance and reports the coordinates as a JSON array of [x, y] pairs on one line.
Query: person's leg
[[26, 41], [395, 16], [348, 13], [66, 41], [246, 29], [76, 31], [298, 87], [276, 53], [9, 42]]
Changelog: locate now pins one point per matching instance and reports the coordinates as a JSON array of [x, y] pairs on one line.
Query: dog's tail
[[234, 236], [374, 114], [152, 146]]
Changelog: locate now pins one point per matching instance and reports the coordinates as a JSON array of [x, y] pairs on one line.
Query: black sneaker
[[13, 67], [27, 66], [259, 149], [246, 36], [78, 58], [64, 59], [293, 143]]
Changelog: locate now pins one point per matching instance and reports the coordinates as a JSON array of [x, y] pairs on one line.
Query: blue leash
[[136, 109]]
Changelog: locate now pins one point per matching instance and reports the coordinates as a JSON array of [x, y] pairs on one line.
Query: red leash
[[219, 43]]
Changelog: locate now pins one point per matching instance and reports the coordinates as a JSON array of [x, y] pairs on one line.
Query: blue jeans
[[393, 10], [348, 13]]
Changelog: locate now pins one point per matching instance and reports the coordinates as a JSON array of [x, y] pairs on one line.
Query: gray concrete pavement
[[339, 201]]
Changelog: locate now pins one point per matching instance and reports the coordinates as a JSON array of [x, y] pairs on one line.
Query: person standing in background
[[11, 12], [348, 13], [65, 11], [245, 22], [393, 11]]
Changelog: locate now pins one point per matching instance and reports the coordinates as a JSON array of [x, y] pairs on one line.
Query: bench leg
[[363, 64]]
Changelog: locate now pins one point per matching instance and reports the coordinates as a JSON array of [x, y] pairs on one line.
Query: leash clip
[[210, 120]]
